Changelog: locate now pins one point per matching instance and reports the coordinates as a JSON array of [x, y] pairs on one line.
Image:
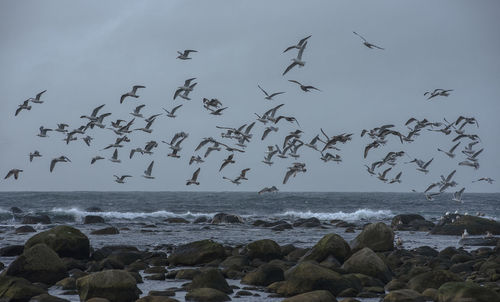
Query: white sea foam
[[359, 214], [79, 214]]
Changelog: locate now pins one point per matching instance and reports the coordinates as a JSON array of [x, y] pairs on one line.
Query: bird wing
[[150, 167], [360, 36], [301, 51], [276, 93], [287, 175], [428, 163], [454, 147], [304, 39], [175, 109], [52, 164], [177, 92], [39, 95], [96, 110], [289, 67], [11, 172], [195, 174], [263, 90], [450, 176]]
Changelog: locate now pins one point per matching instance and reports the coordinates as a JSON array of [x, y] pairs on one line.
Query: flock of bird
[[236, 139]]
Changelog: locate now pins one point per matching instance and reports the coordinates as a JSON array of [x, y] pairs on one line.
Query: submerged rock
[[376, 236], [114, 285], [25, 229], [16, 210], [106, 231], [90, 219], [411, 222], [312, 222], [64, 240], [487, 241], [36, 219], [404, 295], [455, 224], [11, 250], [197, 252], [176, 220]]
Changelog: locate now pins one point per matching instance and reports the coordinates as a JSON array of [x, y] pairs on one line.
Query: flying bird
[[366, 43], [131, 93], [305, 88], [14, 172], [36, 99], [185, 55], [34, 154], [298, 46], [147, 173], [54, 161], [24, 106], [171, 113], [121, 179], [193, 180], [297, 60], [269, 96]]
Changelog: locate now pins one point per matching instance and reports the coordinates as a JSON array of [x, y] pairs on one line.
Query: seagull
[[116, 124], [235, 181], [268, 130], [218, 111], [36, 99], [366, 43], [269, 156], [396, 179], [147, 173], [465, 234], [62, 158], [187, 87], [24, 105], [121, 179], [474, 164], [60, 128], [297, 60], [186, 92], [171, 113], [43, 132], [457, 196], [185, 55], [137, 110], [14, 172], [423, 168], [34, 154], [147, 128], [437, 92], [381, 176], [487, 179], [272, 189], [371, 169], [270, 96], [196, 159], [450, 153], [114, 158], [298, 46], [304, 88], [93, 116], [329, 157], [193, 180], [87, 140], [430, 197], [227, 161], [293, 170], [131, 93], [474, 155], [243, 173], [96, 158]]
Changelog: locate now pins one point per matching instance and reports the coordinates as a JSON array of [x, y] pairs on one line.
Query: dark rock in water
[[158, 277], [265, 249], [17, 289], [466, 291], [47, 298], [64, 240], [11, 250], [282, 226], [16, 210], [411, 222], [207, 295], [2, 266], [331, 244], [312, 222], [125, 256], [36, 219], [432, 279], [96, 299], [25, 229], [211, 278], [106, 231], [68, 283], [226, 218], [314, 296], [487, 241], [38, 263], [350, 230], [90, 219], [426, 251], [162, 293], [264, 275], [201, 219], [93, 209], [176, 220], [107, 250], [455, 224], [197, 252], [367, 262], [186, 274], [114, 285], [404, 295], [237, 262], [152, 298], [376, 236]]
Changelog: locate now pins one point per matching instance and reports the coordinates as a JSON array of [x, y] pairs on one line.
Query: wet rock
[[264, 275], [488, 241], [64, 240], [155, 270], [312, 222], [176, 220], [201, 219], [376, 236], [17, 289], [454, 224], [97, 300], [11, 250], [432, 279], [114, 285], [38, 263], [226, 218], [162, 293], [411, 222], [282, 226], [47, 298], [314, 296], [159, 277], [93, 209], [16, 210], [197, 252], [235, 262], [106, 231], [211, 278], [404, 295], [466, 291], [296, 254], [367, 262], [36, 219], [90, 219], [68, 283], [331, 244], [187, 274], [265, 249], [206, 295], [431, 294], [24, 229], [156, 299]]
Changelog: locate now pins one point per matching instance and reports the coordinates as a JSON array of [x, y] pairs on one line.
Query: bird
[[93, 115], [304, 88], [423, 167], [268, 130], [465, 234], [218, 111], [366, 43], [396, 179], [36, 99], [131, 93], [298, 46], [272, 189], [187, 87], [243, 173], [60, 128], [293, 170], [227, 161], [147, 129], [381, 176], [14, 172], [437, 92], [297, 60], [43, 132], [54, 161], [137, 110], [487, 179], [87, 140], [270, 96], [450, 152], [114, 158], [474, 164], [24, 106], [147, 172], [457, 196], [95, 158], [196, 159], [235, 181], [185, 55], [430, 197], [171, 113], [34, 154], [121, 179], [193, 180]]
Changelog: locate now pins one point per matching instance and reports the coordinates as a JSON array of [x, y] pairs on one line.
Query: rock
[[265, 249], [97, 300], [411, 222], [36, 219], [466, 291], [376, 236], [176, 220], [404, 295], [331, 244], [314, 296], [107, 250], [159, 277], [367, 262], [432, 279], [201, 219], [114, 285], [17, 289], [264, 275], [312, 222], [489, 241], [197, 252], [24, 229], [187, 274], [106, 231], [155, 270], [282, 226], [207, 295], [47, 298], [395, 284], [90, 219], [211, 278], [16, 210], [454, 224], [11, 250], [93, 209], [64, 240], [38, 263], [235, 262], [156, 299], [226, 218], [431, 293], [310, 276]]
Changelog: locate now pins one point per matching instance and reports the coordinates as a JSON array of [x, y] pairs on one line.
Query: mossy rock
[[198, 252], [376, 236], [455, 224], [432, 279], [314, 296], [206, 295], [17, 289], [265, 249], [264, 275], [456, 291], [64, 240], [157, 299], [114, 285], [404, 295], [330, 244], [211, 278], [367, 262]]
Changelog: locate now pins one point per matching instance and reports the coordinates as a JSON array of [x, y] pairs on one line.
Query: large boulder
[[198, 252], [455, 224], [17, 289], [264, 275], [211, 278], [206, 295], [36, 219], [411, 222], [432, 279], [265, 249], [330, 244], [64, 240], [367, 262], [314, 296], [38, 263], [24, 229], [226, 218], [376, 236], [466, 291], [310, 276], [114, 285], [404, 295]]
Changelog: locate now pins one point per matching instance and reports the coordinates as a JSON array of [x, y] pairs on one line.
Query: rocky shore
[[372, 265]]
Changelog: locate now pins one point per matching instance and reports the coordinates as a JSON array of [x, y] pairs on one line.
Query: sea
[[140, 217]]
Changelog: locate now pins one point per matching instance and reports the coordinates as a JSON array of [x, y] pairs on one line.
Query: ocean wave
[[360, 214], [80, 214]]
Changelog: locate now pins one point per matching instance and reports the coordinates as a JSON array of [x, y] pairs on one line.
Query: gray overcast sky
[[87, 53]]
